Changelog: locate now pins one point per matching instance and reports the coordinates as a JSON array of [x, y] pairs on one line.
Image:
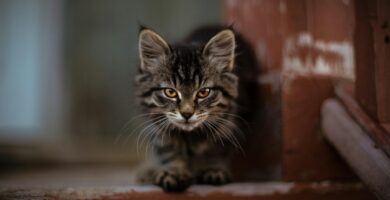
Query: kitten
[[189, 92]]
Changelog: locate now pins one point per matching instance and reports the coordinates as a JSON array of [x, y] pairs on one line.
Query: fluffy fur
[[192, 134]]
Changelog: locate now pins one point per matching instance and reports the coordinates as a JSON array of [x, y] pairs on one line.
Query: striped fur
[[193, 150]]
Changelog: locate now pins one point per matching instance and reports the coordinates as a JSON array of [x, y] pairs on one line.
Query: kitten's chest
[[199, 148], [194, 146], [205, 147]]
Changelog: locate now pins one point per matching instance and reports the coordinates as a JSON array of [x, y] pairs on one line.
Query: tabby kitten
[[189, 93]]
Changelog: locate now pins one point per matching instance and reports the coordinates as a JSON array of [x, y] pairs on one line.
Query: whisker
[[207, 125], [161, 130], [246, 123], [228, 133], [213, 131], [155, 133], [126, 126], [165, 127], [153, 127], [139, 126], [231, 124], [218, 133], [145, 133]]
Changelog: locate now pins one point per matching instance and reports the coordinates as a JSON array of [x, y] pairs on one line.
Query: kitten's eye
[[169, 92], [203, 93]]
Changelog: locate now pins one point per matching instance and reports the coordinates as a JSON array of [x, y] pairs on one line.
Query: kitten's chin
[[187, 126]]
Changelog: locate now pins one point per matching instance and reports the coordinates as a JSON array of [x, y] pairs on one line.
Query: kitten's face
[[187, 86]]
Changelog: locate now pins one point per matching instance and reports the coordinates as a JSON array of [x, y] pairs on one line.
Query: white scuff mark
[[304, 39], [261, 49], [304, 55], [282, 7], [245, 189], [272, 79], [237, 189], [346, 2], [324, 184], [322, 67], [231, 3]]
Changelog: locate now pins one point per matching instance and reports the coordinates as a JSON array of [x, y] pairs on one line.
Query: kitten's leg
[[212, 167], [174, 173], [174, 176], [146, 172]]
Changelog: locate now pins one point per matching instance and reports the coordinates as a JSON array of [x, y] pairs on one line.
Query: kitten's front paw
[[173, 181], [214, 177]]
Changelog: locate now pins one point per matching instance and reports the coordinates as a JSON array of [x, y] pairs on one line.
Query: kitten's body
[[191, 152]]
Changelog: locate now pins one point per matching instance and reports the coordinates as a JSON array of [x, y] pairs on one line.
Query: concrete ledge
[[117, 182], [266, 190]]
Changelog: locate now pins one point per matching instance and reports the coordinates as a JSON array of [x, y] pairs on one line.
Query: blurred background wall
[[67, 68]]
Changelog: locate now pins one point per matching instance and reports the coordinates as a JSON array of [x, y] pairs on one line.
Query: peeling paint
[[261, 49], [304, 55], [272, 79]]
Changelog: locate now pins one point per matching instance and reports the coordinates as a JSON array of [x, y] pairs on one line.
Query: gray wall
[[101, 54], [31, 95], [67, 67]]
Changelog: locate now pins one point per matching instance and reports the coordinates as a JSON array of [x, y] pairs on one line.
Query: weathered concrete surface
[[117, 182], [268, 190]]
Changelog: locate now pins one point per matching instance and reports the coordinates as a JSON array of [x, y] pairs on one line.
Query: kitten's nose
[[186, 115], [186, 109]]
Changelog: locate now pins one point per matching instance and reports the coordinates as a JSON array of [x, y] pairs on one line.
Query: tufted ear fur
[[219, 50], [153, 50]]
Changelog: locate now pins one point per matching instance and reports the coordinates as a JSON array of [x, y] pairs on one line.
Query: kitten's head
[[187, 86]]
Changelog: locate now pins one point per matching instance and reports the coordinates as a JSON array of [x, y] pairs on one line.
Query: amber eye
[[203, 93], [169, 92]]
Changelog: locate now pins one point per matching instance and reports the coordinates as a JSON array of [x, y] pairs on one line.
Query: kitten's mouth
[[187, 125]]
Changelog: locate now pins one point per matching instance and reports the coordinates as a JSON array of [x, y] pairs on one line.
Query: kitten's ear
[[219, 50], [153, 50]]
